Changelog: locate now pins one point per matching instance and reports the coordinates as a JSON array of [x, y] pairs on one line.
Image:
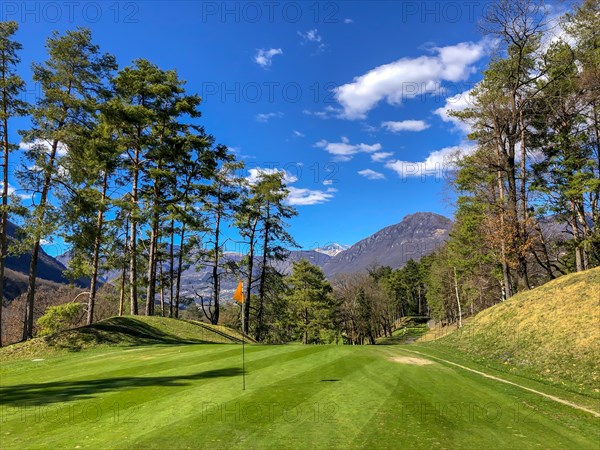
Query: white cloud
[[344, 150], [297, 196], [254, 174], [264, 57], [298, 133], [265, 117], [327, 113], [408, 77], [371, 174], [438, 163], [348, 21], [61, 149], [458, 102], [381, 156], [555, 26], [304, 197], [313, 36], [237, 151], [328, 182], [13, 191], [405, 125]]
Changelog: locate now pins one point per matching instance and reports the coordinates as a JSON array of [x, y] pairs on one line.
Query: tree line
[[528, 196], [119, 165]]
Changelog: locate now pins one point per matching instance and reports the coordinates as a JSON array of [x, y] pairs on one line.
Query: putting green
[[190, 396]]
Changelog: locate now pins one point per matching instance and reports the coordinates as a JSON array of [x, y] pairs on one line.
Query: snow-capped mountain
[[332, 249]]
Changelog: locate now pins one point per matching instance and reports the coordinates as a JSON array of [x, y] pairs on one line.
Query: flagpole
[[238, 296], [243, 355]]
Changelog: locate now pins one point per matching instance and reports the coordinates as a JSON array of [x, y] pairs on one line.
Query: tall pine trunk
[[577, 237], [3, 237], [171, 268], [504, 256], [96, 253], [123, 272], [179, 270], [151, 291], [40, 213], [162, 289], [215, 269], [133, 236], [263, 276], [524, 233], [247, 298]]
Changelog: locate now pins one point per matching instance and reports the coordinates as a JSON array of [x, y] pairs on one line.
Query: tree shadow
[[65, 391]]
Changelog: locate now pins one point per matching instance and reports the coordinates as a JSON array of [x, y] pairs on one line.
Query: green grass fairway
[[189, 396]]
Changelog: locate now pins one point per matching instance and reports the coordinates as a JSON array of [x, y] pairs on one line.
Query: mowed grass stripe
[[336, 397], [457, 410], [113, 404], [141, 398], [271, 416], [201, 407]]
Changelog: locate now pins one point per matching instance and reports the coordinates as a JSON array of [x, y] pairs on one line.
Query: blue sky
[[348, 97]]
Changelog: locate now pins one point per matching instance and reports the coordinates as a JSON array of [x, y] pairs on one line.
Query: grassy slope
[[123, 331], [189, 396], [550, 333], [404, 335]]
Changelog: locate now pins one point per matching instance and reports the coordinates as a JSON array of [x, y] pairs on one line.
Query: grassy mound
[[124, 331], [551, 333]]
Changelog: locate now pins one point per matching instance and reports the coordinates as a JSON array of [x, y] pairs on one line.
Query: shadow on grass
[[117, 330], [64, 391]]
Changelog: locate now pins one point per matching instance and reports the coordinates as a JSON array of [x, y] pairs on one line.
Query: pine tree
[[146, 113], [11, 88], [91, 164], [310, 301], [270, 192], [70, 81], [220, 202]]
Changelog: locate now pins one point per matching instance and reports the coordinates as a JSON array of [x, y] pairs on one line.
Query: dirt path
[[501, 380]]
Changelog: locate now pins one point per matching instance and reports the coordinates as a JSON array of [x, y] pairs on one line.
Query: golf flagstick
[[243, 355], [238, 296]]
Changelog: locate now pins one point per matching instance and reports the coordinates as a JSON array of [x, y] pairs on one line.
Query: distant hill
[[15, 277], [415, 236]]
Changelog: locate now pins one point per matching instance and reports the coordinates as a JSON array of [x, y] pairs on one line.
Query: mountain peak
[[417, 235], [424, 216], [332, 249]]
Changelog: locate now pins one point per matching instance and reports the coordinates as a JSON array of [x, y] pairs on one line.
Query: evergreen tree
[[11, 88], [270, 191], [310, 301], [219, 206], [91, 164], [70, 80]]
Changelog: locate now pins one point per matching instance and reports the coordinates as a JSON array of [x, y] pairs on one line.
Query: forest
[[119, 166]]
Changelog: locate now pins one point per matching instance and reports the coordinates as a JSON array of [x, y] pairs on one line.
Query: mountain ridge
[[414, 236]]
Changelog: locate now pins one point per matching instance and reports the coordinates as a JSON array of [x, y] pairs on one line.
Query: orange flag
[[238, 295]]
